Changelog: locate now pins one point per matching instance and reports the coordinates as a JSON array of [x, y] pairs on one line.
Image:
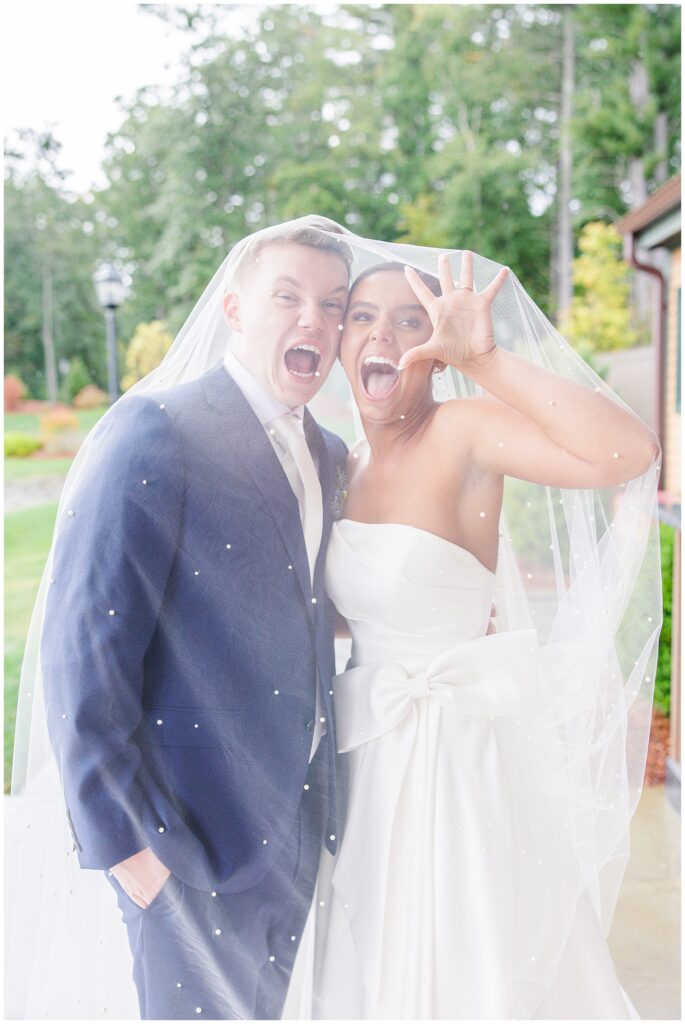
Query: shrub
[[58, 421], [60, 431], [20, 446], [14, 392], [147, 348], [599, 319], [662, 682], [76, 379], [90, 397]]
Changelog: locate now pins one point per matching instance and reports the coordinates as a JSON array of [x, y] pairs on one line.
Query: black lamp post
[[110, 290]]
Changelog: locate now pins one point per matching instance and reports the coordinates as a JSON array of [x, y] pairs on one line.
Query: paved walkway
[[645, 934], [36, 490]]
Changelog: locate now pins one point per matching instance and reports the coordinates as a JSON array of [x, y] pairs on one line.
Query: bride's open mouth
[[303, 360], [379, 376]]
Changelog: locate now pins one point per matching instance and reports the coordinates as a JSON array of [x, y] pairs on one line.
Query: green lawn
[[36, 465], [27, 542], [22, 469], [28, 422], [21, 423]]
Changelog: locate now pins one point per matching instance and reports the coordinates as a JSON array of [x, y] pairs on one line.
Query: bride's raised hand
[[461, 317]]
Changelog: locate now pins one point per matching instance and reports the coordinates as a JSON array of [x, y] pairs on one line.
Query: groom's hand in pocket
[[141, 876]]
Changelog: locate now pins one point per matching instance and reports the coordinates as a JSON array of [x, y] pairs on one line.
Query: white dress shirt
[[268, 408]]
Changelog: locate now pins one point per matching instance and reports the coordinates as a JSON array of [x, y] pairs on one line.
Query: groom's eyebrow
[[291, 280]]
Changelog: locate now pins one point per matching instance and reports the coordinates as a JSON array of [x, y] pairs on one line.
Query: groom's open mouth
[[303, 360], [379, 376]]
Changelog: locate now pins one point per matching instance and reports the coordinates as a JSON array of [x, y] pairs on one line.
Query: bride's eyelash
[[363, 317]]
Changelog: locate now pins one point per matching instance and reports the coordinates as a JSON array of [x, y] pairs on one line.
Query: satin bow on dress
[[493, 675]]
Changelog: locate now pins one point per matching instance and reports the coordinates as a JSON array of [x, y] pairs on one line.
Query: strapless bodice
[[404, 591]]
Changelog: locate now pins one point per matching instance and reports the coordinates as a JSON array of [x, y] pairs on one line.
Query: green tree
[[50, 235], [484, 79], [628, 82], [437, 123], [278, 121]]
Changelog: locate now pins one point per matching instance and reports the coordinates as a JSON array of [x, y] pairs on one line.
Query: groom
[[188, 648]]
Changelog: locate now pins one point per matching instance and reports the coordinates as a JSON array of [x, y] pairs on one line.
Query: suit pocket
[[168, 897]]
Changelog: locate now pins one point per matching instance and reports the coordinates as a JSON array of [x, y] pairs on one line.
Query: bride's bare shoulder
[[458, 423], [465, 412]]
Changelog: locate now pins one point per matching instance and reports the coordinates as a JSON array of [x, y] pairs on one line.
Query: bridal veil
[[581, 567]]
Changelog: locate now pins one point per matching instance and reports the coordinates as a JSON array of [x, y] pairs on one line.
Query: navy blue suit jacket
[[183, 641]]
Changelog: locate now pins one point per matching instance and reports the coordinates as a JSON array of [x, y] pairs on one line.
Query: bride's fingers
[[415, 355], [445, 274], [419, 287], [496, 284], [466, 272]]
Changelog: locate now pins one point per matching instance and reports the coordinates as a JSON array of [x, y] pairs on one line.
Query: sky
[[65, 63]]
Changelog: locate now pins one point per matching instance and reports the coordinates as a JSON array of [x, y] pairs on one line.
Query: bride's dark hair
[[378, 268]]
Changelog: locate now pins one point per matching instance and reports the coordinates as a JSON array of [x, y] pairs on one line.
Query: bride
[[453, 894]]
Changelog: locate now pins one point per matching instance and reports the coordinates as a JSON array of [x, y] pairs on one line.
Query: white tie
[[304, 480], [305, 483]]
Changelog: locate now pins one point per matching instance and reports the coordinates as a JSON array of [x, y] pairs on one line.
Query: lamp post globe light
[[111, 291]]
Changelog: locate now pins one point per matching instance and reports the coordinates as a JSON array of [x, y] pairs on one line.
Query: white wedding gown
[[454, 893]]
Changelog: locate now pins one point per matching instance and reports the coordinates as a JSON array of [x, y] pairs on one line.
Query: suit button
[[310, 726]]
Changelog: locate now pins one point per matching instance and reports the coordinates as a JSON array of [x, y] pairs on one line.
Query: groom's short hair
[[315, 236]]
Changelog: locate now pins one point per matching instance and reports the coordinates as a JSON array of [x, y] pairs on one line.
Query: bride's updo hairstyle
[[394, 265]]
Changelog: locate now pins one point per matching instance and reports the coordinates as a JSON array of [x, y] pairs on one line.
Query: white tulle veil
[[580, 566]]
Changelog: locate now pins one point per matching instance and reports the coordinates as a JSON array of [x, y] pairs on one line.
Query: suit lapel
[[252, 448]]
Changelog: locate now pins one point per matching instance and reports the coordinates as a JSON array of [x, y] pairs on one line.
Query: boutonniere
[[340, 495]]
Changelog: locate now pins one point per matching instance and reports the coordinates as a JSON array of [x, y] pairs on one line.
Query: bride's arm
[[544, 428], [538, 426]]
